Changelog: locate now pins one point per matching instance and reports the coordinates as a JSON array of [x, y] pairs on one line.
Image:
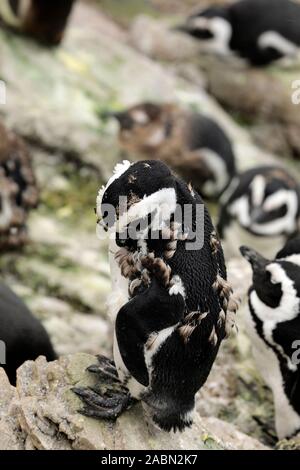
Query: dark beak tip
[[245, 251]]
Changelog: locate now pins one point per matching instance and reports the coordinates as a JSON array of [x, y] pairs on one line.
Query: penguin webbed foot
[[109, 405], [108, 402], [105, 369]]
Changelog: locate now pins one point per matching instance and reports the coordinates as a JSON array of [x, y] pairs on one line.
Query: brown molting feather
[[171, 233], [133, 199], [158, 268], [214, 243], [230, 304], [128, 264], [190, 323]]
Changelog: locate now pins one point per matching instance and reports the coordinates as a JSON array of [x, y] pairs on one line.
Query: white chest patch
[[218, 167], [274, 40]]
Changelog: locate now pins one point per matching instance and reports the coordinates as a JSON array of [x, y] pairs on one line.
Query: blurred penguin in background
[[273, 324], [260, 209], [44, 20], [193, 145], [18, 189], [22, 336], [261, 31]]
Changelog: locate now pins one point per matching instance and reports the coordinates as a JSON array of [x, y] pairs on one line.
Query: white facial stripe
[[287, 223], [287, 310], [119, 169], [139, 116], [295, 259], [240, 210], [278, 42], [286, 419], [163, 203], [157, 137], [218, 167], [258, 187]]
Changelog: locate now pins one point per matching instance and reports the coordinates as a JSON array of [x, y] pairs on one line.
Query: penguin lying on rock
[[171, 302], [273, 324], [18, 190], [261, 208], [261, 31], [44, 20], [22, 336], [193, 145]]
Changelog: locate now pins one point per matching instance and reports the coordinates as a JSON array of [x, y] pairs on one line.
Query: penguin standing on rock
[[193, 145], [22, 336], [261, 208], [273, 324], [18, 189], [44, 20], [171, 301], [261, 31]]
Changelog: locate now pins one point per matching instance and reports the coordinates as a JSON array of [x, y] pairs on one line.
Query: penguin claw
[[102, 406], [105, 369]]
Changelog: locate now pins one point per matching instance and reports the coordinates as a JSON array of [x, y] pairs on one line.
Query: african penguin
[[171, 301], [18, 189], [192, 144], [22, 336], [273, 323], [44, 20], [261, 209], [260, 31]]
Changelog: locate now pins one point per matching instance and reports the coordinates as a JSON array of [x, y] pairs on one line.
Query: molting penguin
[[274, 328], [22, 337], [260, 208], [261, 31], [192, 144], [171, 301], [44, 20], [18, 189]]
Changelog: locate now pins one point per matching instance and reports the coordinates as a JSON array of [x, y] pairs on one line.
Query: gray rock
[[41, 413]]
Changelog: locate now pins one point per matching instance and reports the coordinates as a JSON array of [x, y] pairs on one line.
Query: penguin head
[[212, 26], [267, 287], [144, 127], [274, 303], [136, 192], [266, 203]]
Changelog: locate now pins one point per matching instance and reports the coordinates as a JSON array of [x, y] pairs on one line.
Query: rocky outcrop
[[42, 413]]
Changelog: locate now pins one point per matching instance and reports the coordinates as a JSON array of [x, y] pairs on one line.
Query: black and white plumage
[[172, 306], [22, 336], [261, 31], [18, 189], [44, 20], [273, 323], [261, 208], [192, 144]]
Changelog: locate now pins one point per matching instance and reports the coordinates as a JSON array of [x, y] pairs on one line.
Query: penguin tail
[[169, 415]]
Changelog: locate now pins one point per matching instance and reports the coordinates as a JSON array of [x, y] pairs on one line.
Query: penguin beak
[[257, 261], [258, 216]]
